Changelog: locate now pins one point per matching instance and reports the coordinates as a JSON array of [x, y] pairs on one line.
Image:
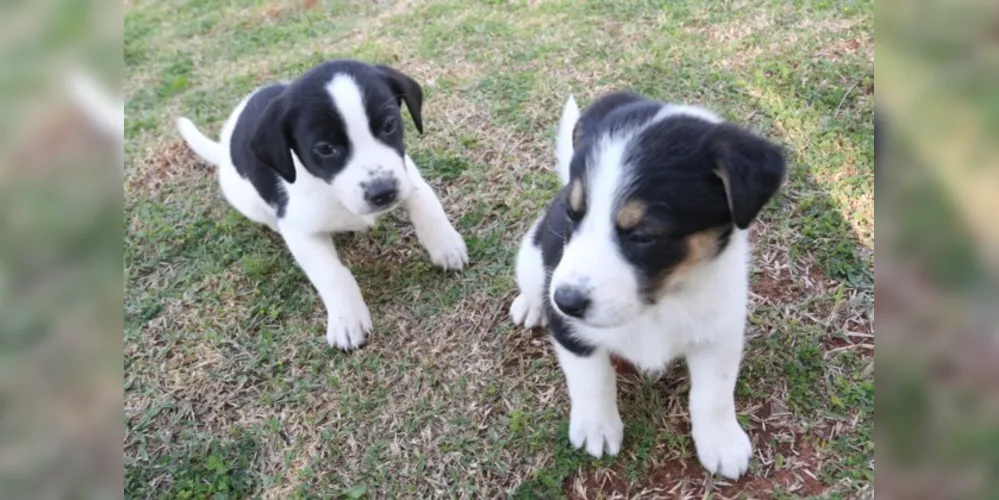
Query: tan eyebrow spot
[[630, 214], [703, 244], [700, 247], [577, 197], [577, 132]]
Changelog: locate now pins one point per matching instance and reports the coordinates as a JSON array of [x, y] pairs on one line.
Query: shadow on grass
[[205, 467]]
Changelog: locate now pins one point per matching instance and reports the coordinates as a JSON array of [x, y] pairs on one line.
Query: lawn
[[229, 384]]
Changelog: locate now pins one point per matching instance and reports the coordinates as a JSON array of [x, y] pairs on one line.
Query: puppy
[[644, 254], [325, 154]]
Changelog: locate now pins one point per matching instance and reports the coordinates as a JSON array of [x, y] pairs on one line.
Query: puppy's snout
[[572, 301], [381, 192]]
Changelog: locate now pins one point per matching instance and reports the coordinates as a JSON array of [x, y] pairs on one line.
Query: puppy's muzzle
[[381, 192]]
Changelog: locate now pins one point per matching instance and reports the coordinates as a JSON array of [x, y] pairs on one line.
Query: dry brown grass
[[223, 337]]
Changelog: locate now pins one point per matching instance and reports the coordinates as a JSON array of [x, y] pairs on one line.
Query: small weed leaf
[[217, 469], [356, 492]]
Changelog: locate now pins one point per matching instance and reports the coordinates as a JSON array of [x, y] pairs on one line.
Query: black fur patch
[[551, 235], [264, 179]]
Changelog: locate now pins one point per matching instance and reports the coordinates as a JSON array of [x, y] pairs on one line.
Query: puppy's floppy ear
[[750, 167], [405, 89], [272, 142]]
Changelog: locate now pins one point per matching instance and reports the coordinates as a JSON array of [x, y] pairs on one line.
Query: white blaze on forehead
[[605, 179], [593, 241], [369, 156], [592, 259], [349, 101]]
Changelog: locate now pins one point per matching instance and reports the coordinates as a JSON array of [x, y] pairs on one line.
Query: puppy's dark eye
[[641, 238], [388, 126], [326, 150]]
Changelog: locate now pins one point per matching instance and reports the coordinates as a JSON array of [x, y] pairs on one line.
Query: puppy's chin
[[366, 210]]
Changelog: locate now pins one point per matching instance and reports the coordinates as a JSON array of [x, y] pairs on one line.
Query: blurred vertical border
[[60, 252], [937, 274]]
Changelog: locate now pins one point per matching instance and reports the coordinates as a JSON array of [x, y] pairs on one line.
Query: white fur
[[594, 421], [206, 149], [704, 322], [686, 109], [370, 156], [528, 308], [563, 139], [591, 260], [316, 209]]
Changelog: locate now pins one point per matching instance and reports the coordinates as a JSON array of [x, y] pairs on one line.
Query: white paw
[[599, 431], [529, 313], [446, 247], [723, 449], [348, 326]]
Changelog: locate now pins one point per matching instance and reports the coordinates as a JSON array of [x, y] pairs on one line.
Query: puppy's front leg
[[434, 231], [594, 420], [722, 446], [349, 319]]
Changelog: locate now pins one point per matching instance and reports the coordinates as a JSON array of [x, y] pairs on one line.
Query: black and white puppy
[[325, 154], [644, 254]]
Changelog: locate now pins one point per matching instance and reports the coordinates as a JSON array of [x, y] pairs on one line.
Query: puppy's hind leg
[[528, 308], [244, 198]]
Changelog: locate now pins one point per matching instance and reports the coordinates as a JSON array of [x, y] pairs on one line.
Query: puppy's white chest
[[316, 208], [331, 216], [670, 329], [650, 342]]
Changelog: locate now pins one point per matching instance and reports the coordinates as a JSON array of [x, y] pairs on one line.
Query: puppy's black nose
[[571, 301], [381, 192]]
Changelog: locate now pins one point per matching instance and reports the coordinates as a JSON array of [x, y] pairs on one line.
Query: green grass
[[224, 352]]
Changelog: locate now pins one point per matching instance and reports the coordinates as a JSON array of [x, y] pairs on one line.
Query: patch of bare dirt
[[846, 47], [684, 477], [168, 165], [624, 367], [276, 11], [784, 285]]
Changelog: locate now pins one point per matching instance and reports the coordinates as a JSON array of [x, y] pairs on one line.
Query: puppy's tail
[[563, 142], [207, 149]]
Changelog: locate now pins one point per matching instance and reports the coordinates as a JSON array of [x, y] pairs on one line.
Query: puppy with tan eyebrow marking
[[325, 154], [644, 254]]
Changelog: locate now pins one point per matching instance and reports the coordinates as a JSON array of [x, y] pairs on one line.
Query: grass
[[224, 352]]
